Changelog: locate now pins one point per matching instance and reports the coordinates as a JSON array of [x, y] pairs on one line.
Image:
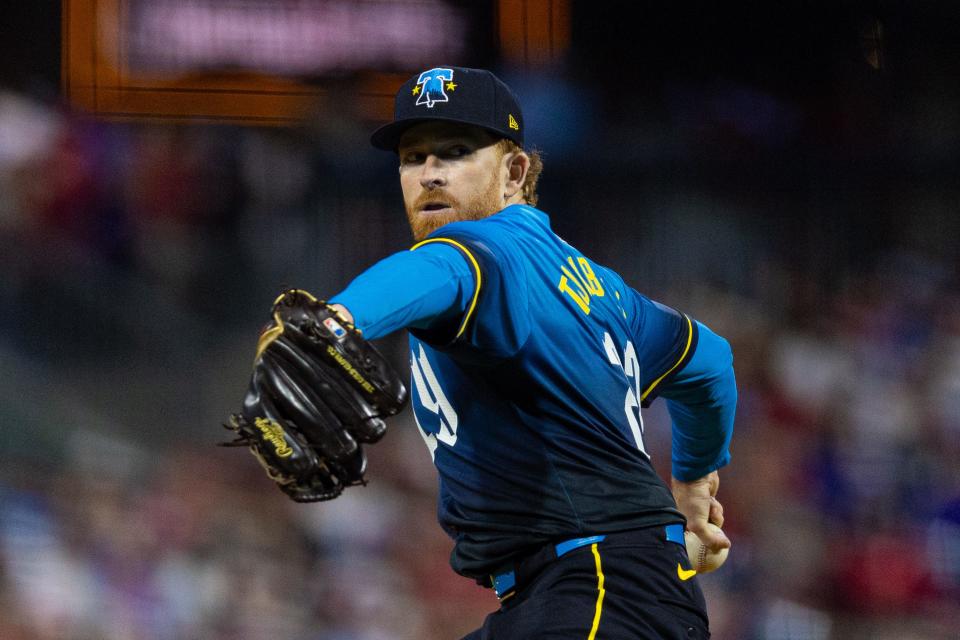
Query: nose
[[434, 175]]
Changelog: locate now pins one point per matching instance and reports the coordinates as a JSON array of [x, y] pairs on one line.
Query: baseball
[[701, 557]]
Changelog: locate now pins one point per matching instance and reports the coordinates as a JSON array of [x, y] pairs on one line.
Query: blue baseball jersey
[[527, 381]]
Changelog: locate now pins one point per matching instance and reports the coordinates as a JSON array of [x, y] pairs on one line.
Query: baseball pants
[[633, 584]]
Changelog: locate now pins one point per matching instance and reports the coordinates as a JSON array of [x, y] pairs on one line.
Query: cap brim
[[388, 136]]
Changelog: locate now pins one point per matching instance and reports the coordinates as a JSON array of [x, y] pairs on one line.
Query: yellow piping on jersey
[[683, 355], [600, 590], [476, 267]]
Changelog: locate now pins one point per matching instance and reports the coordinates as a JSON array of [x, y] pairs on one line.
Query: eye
[[412, 157], [457, 151]]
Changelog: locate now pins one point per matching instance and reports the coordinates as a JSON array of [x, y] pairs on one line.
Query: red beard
[[482, 205]]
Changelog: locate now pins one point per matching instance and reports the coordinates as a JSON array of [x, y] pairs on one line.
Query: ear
[[516, 165]]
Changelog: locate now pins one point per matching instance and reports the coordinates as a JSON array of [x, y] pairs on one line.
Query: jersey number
[[630, 366], [433, 399]]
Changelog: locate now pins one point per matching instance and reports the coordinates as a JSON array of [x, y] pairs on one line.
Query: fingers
[[713, 482], [343, 312], [716, 512], [698, 503], [712, 536], [716, 517], [716, 540]]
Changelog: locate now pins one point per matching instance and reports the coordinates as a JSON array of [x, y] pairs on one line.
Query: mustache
[[435, 196]]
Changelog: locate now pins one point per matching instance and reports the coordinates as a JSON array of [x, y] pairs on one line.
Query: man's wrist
[[689, 473]]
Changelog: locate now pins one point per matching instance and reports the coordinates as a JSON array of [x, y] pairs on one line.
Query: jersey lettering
[[433, 399], [580, 282]]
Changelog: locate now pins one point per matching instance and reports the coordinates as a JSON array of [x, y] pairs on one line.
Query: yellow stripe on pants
[[601, 591]]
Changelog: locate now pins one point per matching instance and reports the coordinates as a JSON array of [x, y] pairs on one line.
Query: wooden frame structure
[[96, 77]]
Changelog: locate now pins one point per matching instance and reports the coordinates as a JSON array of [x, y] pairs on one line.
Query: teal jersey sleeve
[[497, 320], [702, 400], [430, 286]]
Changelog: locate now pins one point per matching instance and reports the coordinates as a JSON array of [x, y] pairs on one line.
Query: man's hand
[[342, 311], [697, 501]]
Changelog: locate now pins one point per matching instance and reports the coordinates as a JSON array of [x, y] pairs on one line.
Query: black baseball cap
[[453, 94]]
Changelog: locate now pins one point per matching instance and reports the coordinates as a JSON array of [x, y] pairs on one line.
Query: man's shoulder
[[511, 232], [510, 222]]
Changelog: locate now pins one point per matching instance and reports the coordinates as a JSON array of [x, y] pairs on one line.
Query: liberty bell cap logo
[[432, 86], [474, 97]]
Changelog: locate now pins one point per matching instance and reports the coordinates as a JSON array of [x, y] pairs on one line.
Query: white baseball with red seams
[[701, 557]]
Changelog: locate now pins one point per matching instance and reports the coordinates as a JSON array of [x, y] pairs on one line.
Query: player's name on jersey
[[580, 282]]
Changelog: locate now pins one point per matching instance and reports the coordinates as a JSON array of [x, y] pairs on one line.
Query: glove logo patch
[[274, 434], [334, 327]]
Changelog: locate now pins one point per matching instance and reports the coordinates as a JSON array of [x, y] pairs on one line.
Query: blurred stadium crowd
[[138, 262]]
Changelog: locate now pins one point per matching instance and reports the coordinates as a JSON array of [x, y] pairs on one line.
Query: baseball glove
[[318, 391]]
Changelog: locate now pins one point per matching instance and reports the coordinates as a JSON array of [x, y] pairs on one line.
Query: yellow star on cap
[[416, 89], [451, 86]]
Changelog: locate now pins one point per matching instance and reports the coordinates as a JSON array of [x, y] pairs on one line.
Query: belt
[[505, 580]]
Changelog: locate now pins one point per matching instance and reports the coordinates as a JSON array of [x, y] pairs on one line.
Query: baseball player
[[530, 364]]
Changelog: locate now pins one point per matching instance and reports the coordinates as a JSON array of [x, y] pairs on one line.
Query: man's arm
[[701, 399], [408, 289]]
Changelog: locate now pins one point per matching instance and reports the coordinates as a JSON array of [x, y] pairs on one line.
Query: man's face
[[449, 172]]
